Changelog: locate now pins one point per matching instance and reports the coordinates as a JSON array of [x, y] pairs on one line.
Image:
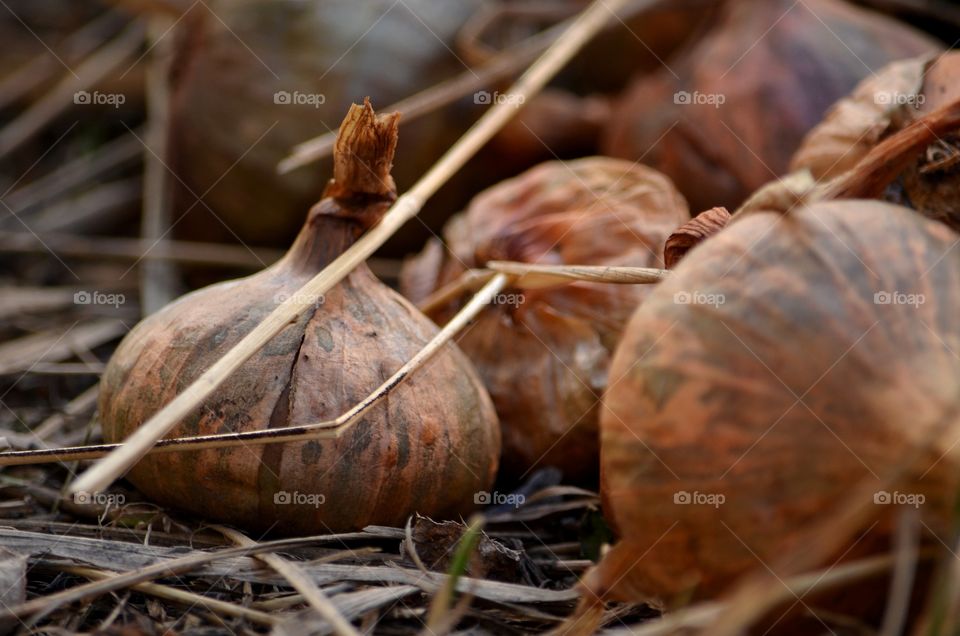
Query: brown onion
[[776, 65], [787, 359], [543, 353], [432, 445], [878, 108]]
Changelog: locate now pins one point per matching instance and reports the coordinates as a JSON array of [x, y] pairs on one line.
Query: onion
[[432, 445], [726, 117], [788, 359], [544, 353]]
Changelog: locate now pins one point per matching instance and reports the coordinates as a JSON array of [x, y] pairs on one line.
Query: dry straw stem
[[97, 66], [299, 580], [468, 281], [158, 279], [319, 430], [426, 101], [406, 207], [757, 594], [45, 605], [530, 276], [183, 597], [705, 615], [438, 96]]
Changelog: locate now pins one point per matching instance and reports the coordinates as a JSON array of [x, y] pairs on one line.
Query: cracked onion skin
[[783, 398], [428, 447]]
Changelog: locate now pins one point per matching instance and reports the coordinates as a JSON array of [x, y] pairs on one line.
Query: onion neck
[[358, 195]]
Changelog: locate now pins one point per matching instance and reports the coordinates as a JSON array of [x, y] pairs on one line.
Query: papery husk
[[881, 106], [428, 448], [544, 357], [692, 233], [779, 66], [793, 386]]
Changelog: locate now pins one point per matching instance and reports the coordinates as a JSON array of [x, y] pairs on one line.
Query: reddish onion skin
[[544, 359], [429, 447], [692, 233], [763, 58], [781, 397]]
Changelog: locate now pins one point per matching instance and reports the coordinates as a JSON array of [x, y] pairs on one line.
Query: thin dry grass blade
[[319, 430], [469, 281], [758, 593], [438, 96], [18, 356], [299, 581], [532, 276], [44, 605], [182, 596], [158, 279], [904, 569], [705, 615], [92, 70], [116, 247]]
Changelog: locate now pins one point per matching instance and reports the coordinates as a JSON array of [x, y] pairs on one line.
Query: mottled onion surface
[[788, 359]]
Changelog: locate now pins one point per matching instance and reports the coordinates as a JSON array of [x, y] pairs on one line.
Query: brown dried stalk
[[406, 207], [299, 580], [533, 276], [184, 597]]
